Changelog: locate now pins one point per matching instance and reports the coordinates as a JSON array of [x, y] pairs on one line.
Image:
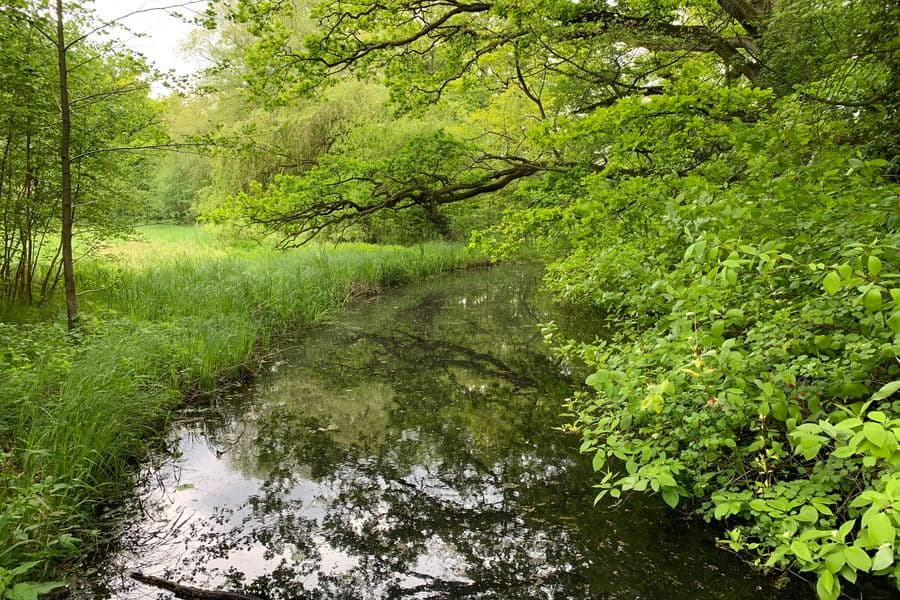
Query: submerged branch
[[187, 592]]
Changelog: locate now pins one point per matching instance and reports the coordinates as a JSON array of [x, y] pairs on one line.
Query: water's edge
[[407, 451]]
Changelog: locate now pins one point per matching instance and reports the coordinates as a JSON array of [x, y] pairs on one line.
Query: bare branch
[[115, 21], [134, 148]]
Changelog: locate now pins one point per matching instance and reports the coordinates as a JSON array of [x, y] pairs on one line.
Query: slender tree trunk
[[65, 162], [5, 224]]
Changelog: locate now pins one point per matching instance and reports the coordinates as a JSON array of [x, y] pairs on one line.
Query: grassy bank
[[161, 318]]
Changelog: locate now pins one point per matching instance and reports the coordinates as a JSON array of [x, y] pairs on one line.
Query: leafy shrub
[[753, 369]]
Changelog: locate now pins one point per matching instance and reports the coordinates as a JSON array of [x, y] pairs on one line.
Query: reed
[[178, 312]]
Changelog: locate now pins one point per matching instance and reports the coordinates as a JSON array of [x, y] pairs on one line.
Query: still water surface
[[408, 451]]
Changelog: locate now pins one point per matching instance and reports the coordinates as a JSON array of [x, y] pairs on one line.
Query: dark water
[[408, 451]]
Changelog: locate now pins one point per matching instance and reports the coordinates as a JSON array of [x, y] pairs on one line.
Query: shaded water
[[408, 451]]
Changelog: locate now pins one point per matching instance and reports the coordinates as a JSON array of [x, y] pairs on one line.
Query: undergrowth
[[161, 320]]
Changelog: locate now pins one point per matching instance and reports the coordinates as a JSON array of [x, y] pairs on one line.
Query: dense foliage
[[110, 109], [717, 178], [753, 349]]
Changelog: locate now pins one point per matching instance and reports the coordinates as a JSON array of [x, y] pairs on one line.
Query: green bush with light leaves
[[753, 371]]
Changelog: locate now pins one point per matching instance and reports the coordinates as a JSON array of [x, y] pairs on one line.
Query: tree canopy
[[541, 88], [718, 179]]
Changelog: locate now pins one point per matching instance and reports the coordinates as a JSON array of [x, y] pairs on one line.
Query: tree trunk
[[65, 163]]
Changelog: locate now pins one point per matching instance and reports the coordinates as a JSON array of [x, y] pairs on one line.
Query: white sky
[[165, 34]]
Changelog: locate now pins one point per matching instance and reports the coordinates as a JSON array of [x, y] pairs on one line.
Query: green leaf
[[834, 561], [808, 514], [877, 416], [857, 558], [599, 461], [886, 390], [883, 558], [881, 530], [832, 283], [872, 300], [854, 389], [801, 550], [666, 479], [23, 568], [671, 497], [721, 511], [595, 380], [848, 573], [875, 433], [894, 321], [31, 590], [874, 266], [758, 505], [825, 586], [849, 424], [846, 528]]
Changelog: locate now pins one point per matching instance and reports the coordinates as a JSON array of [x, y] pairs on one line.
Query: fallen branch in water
[[187, 592]]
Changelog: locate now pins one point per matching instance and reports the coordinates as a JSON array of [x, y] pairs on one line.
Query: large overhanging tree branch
[[604, 53], [342, 201], [371, 34]]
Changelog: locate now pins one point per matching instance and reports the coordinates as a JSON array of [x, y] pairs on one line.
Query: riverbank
[[408, 448], [161, 320]]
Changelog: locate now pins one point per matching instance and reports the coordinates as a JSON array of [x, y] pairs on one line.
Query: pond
[[408, 450]]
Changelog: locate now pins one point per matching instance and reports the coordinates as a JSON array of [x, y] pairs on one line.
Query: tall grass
[[161, 318]]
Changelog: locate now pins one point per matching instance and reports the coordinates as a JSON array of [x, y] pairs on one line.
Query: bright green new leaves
[[827, 586], [872, 300], [779, 354], [874, 265], [886, 391], [884, 558], [879, 528], [832, 283], [857, 558]]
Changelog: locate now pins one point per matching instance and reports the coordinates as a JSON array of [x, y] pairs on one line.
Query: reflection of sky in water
[[408, 453]]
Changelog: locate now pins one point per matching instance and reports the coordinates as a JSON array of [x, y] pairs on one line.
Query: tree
[[65, 165], [570, 62], [102, 115], [718, 180]]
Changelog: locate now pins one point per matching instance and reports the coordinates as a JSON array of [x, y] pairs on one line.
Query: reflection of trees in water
[[465, 446], [387, 523], [411, 454]]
